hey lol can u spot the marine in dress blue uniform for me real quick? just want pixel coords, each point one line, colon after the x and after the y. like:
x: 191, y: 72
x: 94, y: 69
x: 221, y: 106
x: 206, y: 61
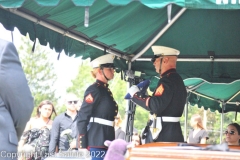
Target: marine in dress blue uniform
x: 168, y: 99
x: 99, y: 109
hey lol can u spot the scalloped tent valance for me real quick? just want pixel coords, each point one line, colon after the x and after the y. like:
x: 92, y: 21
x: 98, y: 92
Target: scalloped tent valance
x: 205, y: 31
x: 200, y: 4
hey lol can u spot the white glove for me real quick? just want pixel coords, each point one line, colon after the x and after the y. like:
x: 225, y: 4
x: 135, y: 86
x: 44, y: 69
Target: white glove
x: 133, y: 89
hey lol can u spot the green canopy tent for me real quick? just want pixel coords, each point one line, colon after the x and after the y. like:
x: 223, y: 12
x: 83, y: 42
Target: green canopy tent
x: 213, y: 94
x: 220, y: 97
x: 205, y: 31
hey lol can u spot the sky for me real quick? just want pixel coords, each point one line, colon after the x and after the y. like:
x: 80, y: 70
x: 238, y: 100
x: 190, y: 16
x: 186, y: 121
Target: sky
x: 66, y: 68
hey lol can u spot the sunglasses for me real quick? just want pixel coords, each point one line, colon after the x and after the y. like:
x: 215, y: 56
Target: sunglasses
x: 230, y: 132
x: 117, y: 118
x: 107, y: 65
x: 112, y: 69
x: 154, y: 58
x: 72, y: 102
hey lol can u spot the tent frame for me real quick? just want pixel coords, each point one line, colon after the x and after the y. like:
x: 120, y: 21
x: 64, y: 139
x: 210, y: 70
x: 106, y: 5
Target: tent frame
x: 159, y: 34
x: 92, y: 42
x: 67, y: 33
x: 109, y: 49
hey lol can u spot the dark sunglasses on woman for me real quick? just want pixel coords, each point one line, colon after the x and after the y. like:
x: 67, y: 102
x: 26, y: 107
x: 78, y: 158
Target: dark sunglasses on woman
x: 230, y: 132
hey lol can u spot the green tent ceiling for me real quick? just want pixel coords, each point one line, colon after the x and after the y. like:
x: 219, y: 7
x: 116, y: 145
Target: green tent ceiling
x: 212, y: 95
x: 205, y: 31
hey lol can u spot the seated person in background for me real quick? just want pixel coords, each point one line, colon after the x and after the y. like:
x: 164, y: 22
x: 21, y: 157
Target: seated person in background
x: 119, y: 133
x: 136, y: 140
x: 198, y: 134
x: 233, y: 134
x: 35, y: 125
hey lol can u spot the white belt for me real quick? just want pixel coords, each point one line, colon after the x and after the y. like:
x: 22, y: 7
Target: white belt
x: 156, y: 131
x: 102, y: 121
x: 170, y: 119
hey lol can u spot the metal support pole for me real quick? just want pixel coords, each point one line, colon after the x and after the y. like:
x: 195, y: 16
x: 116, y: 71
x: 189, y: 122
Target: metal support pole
x: 227, y: 59
x: 131, y: 107
x: 130, y: 112
x: 130, y: 121
x: 186, y: 118
x: 159, y: 34
x: 222, y: 121
x: 126, y: 117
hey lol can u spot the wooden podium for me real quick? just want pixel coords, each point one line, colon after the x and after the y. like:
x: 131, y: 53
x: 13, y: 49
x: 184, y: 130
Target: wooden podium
x: 171, y: 151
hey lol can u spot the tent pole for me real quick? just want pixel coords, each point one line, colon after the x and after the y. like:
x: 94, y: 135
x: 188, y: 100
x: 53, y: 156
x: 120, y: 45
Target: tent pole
x: 127, y: 138
x: 195, y: 87
x: 158, y: 35
x: 129, y: 118
x: 186, y: 117
x: 130, y: 108
x: 237, y: 59
x: 222, y: 121
x: 233, y: 96
x: 65, y: 32
x: 204, y: 96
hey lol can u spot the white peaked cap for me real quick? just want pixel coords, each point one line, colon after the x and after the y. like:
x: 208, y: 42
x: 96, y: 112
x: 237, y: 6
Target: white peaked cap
x: 165, y: 51
x: 108, y: 58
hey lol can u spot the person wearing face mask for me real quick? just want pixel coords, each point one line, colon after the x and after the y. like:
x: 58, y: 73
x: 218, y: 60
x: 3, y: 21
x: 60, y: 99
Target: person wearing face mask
x: 99, y: 109
x: 232, y: 134
x: 168, y: 100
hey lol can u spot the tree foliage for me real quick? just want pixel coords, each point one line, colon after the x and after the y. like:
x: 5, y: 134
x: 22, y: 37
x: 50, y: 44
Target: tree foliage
x: 82, y: 80
x: 39, y: 71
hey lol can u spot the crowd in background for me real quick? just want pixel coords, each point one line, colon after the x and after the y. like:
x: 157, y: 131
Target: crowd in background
x: 89, y: 123
x: 61, y: 140
x: 62, y: 128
